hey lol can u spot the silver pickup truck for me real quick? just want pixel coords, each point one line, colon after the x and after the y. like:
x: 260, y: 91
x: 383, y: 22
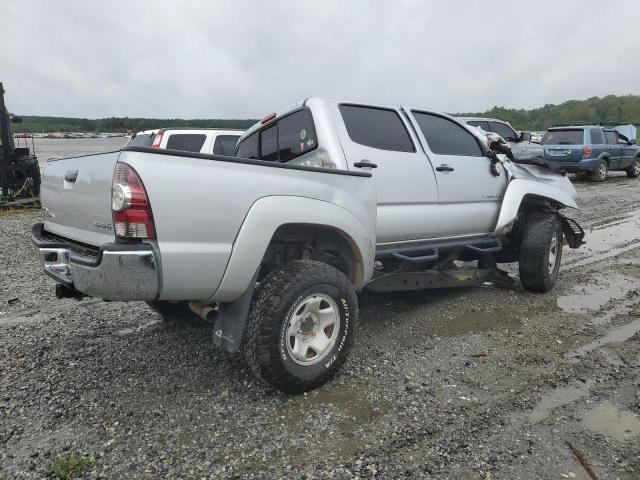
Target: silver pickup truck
x: 323, y: 199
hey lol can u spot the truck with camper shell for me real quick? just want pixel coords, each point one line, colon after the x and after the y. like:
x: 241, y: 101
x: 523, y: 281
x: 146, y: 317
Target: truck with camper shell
x: 322, y: 200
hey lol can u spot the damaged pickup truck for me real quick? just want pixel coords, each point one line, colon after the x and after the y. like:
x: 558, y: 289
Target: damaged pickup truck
x: 323, y: 199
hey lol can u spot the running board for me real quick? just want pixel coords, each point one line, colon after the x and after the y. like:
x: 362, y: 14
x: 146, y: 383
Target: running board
x: 429, y: 279
x: 424, y: 251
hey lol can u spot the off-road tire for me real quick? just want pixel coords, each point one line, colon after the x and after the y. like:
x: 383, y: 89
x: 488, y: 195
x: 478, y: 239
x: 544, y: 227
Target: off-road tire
x: 176, y: 312
x: 634, y: 170
x: 601, y: 171
x: 535, y: 247
x: 264, y: 346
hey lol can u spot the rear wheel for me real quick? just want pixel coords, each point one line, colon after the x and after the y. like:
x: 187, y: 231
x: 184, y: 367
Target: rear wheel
x: 600, y: 173
x: 301, y: 326
x: 540, y: 252
x: 634, y: 170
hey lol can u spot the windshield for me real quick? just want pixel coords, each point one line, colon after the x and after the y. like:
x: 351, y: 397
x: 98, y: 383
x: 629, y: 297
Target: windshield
x: 142, y: 140
x: 563, y: 137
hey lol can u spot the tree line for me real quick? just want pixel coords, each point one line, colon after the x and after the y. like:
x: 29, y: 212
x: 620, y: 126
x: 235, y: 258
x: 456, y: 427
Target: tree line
x: 31, y: 123
x: 609, y: 110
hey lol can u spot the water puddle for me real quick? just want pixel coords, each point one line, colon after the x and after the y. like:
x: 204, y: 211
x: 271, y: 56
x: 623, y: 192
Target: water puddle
x: 609, y: 420
x: 469, y: 322
x: 594, y: 296
x: 348, y: 410
x: 557, y: 398
x: 608, y: 240
x: 616, y: 335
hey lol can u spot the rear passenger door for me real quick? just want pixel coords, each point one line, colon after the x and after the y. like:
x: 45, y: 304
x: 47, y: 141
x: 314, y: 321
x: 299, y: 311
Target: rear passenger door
x: 470, y: 196
x: 613, y: 147
x: 405, y: 181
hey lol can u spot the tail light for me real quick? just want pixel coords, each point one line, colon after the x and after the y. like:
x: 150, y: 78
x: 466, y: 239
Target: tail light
x: 586, y: 152
x: 130, y: 208
x: 157, y: 140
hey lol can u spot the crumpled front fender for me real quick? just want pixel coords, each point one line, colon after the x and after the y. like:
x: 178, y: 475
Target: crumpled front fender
x: 520, y: 188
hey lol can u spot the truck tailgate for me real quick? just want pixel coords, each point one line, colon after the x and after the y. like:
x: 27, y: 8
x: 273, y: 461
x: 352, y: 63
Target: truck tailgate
x: 76, y: 197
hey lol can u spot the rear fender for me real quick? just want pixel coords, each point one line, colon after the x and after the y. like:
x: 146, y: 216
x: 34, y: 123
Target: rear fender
x: 267, y: 215
x: 516, y: 192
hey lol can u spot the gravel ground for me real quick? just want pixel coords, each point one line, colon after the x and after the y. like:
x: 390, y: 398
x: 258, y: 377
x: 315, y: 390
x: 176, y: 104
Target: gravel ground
x: 471, y: 383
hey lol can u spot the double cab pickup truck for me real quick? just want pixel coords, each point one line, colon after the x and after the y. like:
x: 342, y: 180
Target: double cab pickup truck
x: 591, y: 150
x: 322, y: 200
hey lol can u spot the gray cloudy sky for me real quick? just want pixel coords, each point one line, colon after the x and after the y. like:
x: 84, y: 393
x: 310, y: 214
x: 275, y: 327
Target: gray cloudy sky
x: 237, y: 59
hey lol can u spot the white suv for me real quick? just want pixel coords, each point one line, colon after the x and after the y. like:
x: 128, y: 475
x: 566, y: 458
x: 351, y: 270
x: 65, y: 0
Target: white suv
x: 198, y: 140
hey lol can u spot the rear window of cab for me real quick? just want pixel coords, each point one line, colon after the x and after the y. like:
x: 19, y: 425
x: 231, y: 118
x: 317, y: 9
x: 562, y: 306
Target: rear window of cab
x: 281, y: 140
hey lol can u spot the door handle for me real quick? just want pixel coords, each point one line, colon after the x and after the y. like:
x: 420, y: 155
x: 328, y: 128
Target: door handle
x: 445, y: 168
x: 71, y: 176
x: 365, y: 164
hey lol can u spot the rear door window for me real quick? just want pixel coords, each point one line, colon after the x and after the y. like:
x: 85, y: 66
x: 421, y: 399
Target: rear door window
x: 563, y: 137
x: 225, y: 145
x: 377, y: 128
x: 612, y: 138
x: 190, y: 142
x: 597, y: 138
x: 505, y: 131
x: 445, y: 137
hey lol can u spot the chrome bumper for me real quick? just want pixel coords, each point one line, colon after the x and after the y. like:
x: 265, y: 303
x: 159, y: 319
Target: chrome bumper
x: 116, y: 272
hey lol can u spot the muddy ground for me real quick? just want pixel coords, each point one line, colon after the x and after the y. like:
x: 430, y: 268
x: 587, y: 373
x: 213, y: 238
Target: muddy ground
x: 485, y: 383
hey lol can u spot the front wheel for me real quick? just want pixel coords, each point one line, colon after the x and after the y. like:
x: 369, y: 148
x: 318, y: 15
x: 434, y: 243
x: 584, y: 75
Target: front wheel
x: 634, y: 170
x: 301, y: 326
x: 600, y: 173
x: 540, y: 252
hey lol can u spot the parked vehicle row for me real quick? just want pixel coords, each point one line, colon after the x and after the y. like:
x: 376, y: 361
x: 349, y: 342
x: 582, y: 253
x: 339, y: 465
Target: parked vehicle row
x: 322, y: 199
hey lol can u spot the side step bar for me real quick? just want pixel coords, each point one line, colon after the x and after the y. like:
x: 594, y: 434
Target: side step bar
x: 425, y: 252
x: 428, y: 279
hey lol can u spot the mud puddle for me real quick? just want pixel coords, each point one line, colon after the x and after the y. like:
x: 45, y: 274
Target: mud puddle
x: 616, y: 335
x: 596, y: 295
x: 349, y: 410
x: 470, y: 322
x: 607, y: 240
x: 556, y: 398
x: 609, y: 420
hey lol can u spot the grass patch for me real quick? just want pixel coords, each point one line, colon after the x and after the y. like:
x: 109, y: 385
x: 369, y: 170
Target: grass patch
x: 70, y: 466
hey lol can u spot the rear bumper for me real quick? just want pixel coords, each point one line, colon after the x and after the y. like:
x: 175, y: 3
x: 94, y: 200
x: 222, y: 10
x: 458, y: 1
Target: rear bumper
x: 114, y: 272
x: 586, y: 165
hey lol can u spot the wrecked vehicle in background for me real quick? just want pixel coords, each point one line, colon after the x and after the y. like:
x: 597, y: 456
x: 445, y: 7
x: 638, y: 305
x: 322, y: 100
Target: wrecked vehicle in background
x: 323, y: 199
x: 520, y: 143
x: 19, y: 171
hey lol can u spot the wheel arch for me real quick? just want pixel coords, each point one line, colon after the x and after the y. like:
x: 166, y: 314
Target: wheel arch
x: 523, y: 193
x: 299, y: 219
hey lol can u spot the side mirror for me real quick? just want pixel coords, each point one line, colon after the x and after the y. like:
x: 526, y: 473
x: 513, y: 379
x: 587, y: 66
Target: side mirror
x: 525, y: 137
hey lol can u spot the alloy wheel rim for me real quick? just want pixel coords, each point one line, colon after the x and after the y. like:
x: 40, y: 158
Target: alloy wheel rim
x: 636, y: 167
x: 312, y: 329
x: 603, y: 170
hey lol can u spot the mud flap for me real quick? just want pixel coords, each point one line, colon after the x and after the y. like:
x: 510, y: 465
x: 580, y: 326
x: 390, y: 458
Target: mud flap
x: 231, y: 319
x: 572, y: 231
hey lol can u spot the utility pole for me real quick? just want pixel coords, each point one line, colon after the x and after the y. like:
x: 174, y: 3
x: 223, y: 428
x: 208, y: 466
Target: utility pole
x: 5, y: 129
